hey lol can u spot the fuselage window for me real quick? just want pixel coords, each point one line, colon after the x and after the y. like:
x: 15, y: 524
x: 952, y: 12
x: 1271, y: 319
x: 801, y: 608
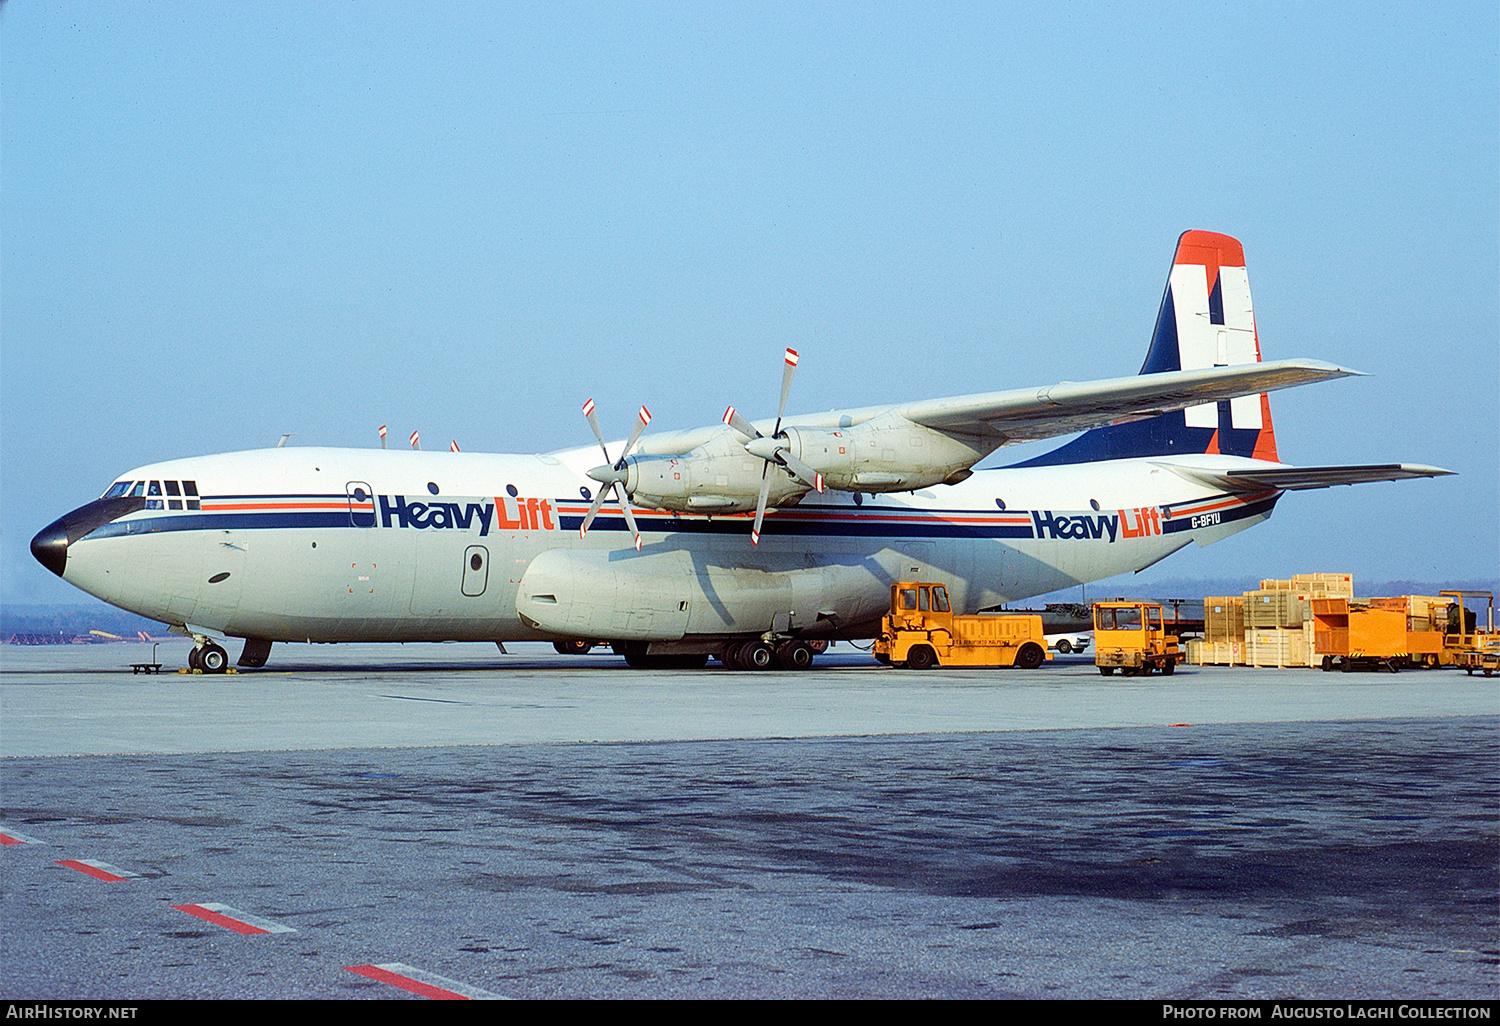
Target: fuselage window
x: 117, y: 489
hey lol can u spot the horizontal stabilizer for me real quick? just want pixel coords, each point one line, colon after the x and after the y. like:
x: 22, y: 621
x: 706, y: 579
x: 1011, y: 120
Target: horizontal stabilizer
x: 1291, y: 479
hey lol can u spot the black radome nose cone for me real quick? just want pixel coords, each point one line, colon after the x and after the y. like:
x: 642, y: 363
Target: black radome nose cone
x: 50, y: 547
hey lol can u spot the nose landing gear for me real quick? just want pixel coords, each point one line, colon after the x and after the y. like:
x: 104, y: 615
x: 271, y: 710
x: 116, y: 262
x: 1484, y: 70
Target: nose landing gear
x: 206, y: 657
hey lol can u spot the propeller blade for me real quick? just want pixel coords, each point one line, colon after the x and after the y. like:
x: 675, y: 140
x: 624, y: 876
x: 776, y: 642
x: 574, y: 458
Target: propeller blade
x: 760, y: 504
x: 786, y: 386
x: 630, y: 519
x: 736, y: 420
x: 588, y: 411
x: 594, y: 506
x: 642, y: 420
x: 807, y: 475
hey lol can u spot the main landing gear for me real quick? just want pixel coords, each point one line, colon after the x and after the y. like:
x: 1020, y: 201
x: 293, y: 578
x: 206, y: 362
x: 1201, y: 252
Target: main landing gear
x: 759, y: 654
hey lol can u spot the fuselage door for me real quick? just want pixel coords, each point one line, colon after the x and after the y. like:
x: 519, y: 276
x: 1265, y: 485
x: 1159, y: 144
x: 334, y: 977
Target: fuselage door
x: 476, y: 570
x: 361, y: 504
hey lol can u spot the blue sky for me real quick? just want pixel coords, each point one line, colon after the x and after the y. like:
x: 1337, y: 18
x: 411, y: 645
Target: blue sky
x: 223, y: 222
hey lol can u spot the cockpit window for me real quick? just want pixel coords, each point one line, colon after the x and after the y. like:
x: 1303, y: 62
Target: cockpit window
x: 190, y: 488
x: 155, y: 488
x: 138, y: 490
x: 117, y: 489
x: 172, y: 488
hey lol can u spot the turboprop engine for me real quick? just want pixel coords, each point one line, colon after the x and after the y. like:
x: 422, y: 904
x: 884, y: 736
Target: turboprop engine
x: 741, y: 469
x: 717, y: 477
x: 886, y: 454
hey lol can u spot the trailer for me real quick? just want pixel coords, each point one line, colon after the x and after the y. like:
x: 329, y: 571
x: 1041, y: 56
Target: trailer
x: 1373, y: 634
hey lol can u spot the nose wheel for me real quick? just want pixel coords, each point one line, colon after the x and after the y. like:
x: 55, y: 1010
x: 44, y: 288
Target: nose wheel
x: 208, y: 658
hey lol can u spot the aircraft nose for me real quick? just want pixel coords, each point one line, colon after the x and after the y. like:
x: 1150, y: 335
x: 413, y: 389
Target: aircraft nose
x: 50, y: 547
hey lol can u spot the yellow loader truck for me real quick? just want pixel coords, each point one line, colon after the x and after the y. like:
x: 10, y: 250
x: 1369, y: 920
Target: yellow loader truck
x: 921, y: 631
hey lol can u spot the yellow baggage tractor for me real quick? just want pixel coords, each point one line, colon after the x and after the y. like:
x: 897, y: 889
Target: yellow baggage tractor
x: 921, y: 631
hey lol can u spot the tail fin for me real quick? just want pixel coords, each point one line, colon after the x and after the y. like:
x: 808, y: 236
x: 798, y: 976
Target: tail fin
x: 1206, y: 320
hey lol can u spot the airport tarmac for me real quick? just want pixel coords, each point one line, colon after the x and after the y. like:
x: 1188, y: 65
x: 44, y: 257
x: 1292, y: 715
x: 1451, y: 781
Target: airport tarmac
x: 370, y: 821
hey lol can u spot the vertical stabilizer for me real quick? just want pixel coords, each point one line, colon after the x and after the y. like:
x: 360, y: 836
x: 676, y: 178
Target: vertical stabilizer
x: 1206, y: 320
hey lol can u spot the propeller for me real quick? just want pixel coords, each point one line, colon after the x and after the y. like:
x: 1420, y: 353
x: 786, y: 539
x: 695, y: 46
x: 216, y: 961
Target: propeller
x: 773, y: 449
x: 614, y: 472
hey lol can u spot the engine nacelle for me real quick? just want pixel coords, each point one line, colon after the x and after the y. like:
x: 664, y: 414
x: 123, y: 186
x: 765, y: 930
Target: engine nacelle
x: 887, y: 454
x: 717, y: 477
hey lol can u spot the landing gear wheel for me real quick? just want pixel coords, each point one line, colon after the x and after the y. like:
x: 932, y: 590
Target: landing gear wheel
x: 572, y: 646
x: 921, y: 658
x: 1031, y: 656
x: 757, y: 655
x: 195, y: 658
x: 213, y: 659
x: 794, y: 655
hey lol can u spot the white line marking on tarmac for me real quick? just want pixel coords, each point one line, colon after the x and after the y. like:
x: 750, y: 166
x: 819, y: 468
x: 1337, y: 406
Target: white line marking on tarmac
x: 98, y: 870
x: 421, y: 982
x: 233, y: 918
x: 9, y: 837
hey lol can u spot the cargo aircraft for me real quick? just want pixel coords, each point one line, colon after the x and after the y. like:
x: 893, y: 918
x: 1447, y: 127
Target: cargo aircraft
x: 746, y: 541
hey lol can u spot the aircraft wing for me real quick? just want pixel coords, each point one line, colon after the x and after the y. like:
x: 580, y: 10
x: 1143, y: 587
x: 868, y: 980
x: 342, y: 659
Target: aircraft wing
x: 1024, y: 415
x: 1028, y: 414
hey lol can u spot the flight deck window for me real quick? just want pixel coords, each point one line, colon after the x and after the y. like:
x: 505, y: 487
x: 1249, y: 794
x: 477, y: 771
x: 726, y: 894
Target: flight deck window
x: 117, y: 489
x: 154, y: 490
x: 190, y: 489
x: 173, y: 489
x: 138, y: 490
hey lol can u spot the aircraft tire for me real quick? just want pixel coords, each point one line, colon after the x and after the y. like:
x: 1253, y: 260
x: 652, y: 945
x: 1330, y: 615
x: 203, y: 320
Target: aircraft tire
x: 757, y: 655
x: 213, y: 659
x: 794, y: 655
x: 195, y: 658
x: 572, y: 646
x: 1031, y: 656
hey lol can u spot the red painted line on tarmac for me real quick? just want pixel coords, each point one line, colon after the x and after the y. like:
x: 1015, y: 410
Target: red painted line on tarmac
x: 406, y: 983
x: 88, y: 869
x: 219, y: 920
